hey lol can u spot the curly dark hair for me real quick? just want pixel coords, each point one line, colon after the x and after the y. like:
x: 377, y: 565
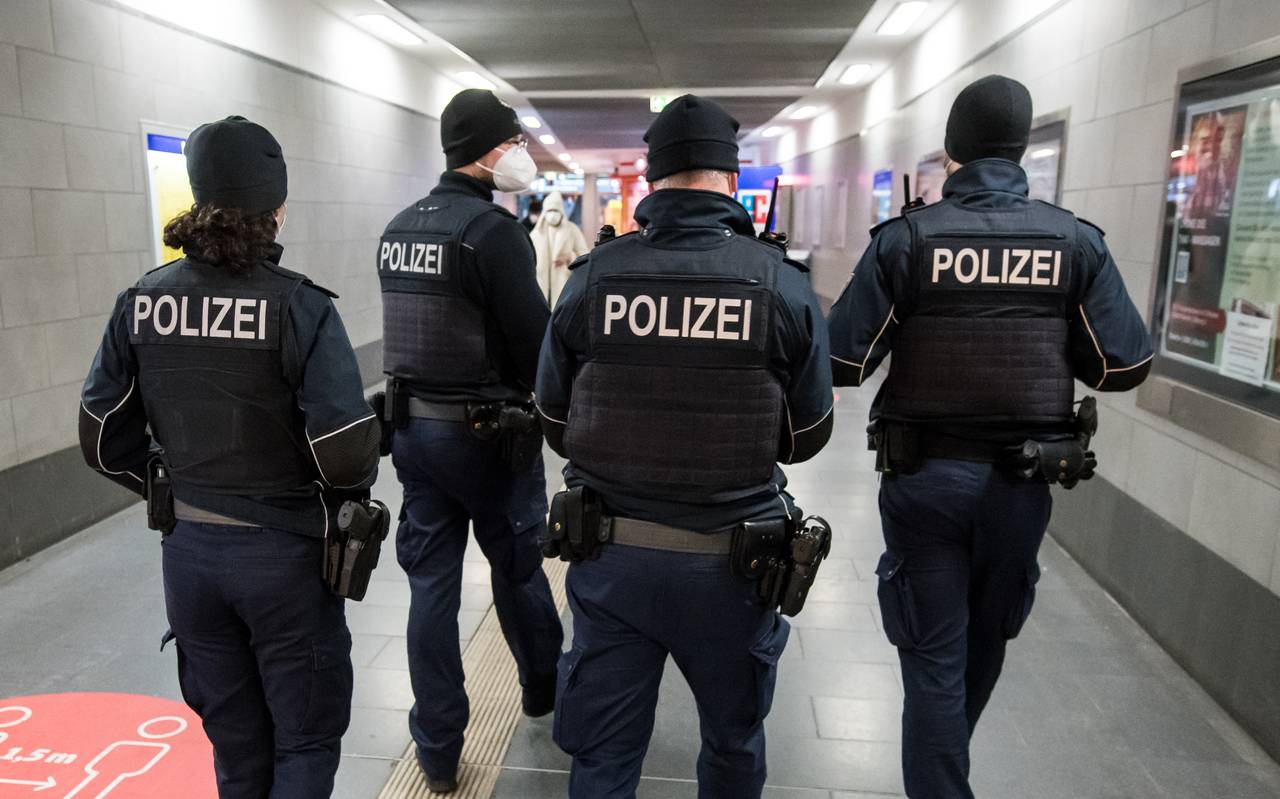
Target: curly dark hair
x: 224, y: 237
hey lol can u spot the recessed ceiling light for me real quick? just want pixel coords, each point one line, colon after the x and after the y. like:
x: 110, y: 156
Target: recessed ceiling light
x: 475, y: 80
x: 577, y: 170
x: 574, y: 165
x: 804, y: 112
x: 1043, y: 153
x: 547, y: 138
x: 854, y: 73
x: 772, y: 131
x: 565, y: 157
x: 903, y: 16
x: 642, y: 164
x: 531, y: 122
x: 1177, y: 153
x: 387, y: 28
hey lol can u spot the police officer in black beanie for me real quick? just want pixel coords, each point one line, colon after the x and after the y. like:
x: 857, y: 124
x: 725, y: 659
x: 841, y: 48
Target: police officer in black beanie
x: 234, y: 378
x: 993, y: 305
x: 463, y: 317
x: 682, y: 364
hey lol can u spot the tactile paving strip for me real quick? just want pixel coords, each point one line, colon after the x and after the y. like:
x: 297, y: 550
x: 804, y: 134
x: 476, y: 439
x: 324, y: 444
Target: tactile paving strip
x: 494, y: 691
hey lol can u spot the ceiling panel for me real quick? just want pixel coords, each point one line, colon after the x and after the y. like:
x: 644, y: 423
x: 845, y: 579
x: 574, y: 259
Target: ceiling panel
x: 620, y: 122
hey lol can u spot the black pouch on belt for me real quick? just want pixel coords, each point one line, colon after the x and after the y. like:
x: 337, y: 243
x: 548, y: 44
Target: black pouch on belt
x: 520, y: 435
x: 160, y: 514
x: 351, y: 555
x: 574, y: 526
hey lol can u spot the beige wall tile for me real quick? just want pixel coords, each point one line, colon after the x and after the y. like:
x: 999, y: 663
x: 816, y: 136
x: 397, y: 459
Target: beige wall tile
x: 1240, y: 23
x: 1123, y: 75
x: 128, y: 223
x: 10, y: 86
x: 17, y: 226
x: 27, y: 23
x: 101, y: 276
x: 32, y: 154
x: 24, y: 360
x: 1162, y: 474
x: 8, y: 441
x: 34, y: 290
x: 1140, y: 156
x: 1183, y: 41
x: 72, y: 345
x: 99, y: 159
x: 69, y: 222
x: 87, y: 31
x: 56, y: 89
x: 122, y: 100
x: 1236, y: 516
x: 45, y: 421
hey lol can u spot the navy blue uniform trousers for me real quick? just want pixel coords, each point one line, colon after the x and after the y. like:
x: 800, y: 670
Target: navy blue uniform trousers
x: 450, y: 479
x: 632, y: 608
x: 956, y: 583
x: 264, y: 656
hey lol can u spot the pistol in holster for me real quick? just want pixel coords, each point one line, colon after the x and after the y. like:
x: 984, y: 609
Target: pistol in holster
x: 514, y: 425
x: 1066, y: 461
x: 781, y: 556
x: 577, y: 527
x: 351, y: 553
x: 159, y: 496
x: 897, y: 447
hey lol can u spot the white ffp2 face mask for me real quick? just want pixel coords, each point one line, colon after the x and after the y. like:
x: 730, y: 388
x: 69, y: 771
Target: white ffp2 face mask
x: 514, y: 170
x: 554, y: 218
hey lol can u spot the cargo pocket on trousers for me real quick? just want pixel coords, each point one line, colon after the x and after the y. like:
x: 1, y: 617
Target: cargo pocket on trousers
x: 329, y: 700
x: 766, y: 652
x: 187, y: 684
x: 567, y: 727
x: 1021, y: 609
x: 897, y: 606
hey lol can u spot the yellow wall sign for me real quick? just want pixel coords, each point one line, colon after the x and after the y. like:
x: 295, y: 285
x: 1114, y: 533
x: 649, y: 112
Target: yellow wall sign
x: 170, y: 189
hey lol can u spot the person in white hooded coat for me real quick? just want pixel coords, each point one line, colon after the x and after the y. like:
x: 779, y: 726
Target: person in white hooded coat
x: 557, y: 242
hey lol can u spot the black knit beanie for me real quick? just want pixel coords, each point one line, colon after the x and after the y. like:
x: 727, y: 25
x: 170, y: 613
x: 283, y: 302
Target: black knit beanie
x: 991, y: 118
x: 235, y: 163
x: 473, y: 123
x: 691, y: 133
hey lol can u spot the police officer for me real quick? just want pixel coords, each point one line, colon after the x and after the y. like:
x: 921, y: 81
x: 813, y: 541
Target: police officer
x: 992, y: 305
x: 241, y: 373
x: 682, y: 362
x: 463, y: 319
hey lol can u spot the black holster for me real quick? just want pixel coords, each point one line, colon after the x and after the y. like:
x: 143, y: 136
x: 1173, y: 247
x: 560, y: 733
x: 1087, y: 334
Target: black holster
x: 392, y: 408
x: 574, y: 528
x: 515, y: 426
x: 897, y: 447
x: 351, y: 554
x: 1066, y: 461
x: 781, y: 556
x: 159, y: 496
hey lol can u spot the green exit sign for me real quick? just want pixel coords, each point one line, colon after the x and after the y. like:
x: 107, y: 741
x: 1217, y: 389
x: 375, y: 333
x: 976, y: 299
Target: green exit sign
x: 658, y: 102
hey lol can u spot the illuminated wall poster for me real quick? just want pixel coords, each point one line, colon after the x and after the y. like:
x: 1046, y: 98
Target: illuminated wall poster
x: 167, y: 187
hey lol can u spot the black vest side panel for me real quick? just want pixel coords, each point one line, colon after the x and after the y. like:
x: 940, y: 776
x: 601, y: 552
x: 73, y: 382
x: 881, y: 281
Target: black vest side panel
x: 212, y: 378
x: 676, y: 395
x: 433, y: 333
x: 984, y: 338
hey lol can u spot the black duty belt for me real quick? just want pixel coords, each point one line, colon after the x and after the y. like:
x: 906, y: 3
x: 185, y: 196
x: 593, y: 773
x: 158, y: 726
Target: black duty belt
x: 933, y: 445
x: 651, y: 535
x: 440, y: 411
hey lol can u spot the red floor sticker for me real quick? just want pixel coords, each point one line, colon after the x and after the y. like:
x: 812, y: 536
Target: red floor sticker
x: 103, y: 746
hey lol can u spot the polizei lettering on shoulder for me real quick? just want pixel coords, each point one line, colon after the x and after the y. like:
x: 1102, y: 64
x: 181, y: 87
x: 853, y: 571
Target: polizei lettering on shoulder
x: 202, y: 317
x: 681, y: 317
x: 976, y: 267
x: 406, y: 258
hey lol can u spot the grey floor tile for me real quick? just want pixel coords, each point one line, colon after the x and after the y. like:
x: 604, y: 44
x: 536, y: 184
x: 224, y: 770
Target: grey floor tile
x: 395, y: 655
x: 522, y: 784
x: 836, y: 616
x: 365, y: 648
x: 858, y: 719
x: 841, y: 645
x: 361, y: 777
x: 382, y: 688
x: 376, y: 732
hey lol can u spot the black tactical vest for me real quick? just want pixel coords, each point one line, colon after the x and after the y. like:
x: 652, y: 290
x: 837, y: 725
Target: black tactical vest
x: 676, y: 396
x: 433, y: 333
x: 983, y: 336
x: 211, y: 349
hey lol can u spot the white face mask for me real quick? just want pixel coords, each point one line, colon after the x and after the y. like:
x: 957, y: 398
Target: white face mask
x: 554, y: 218
x: 514, y: 170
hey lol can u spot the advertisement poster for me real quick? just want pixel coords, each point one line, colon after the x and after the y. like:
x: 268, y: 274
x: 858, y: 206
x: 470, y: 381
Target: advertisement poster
x: 882, y: 196
x: 170, y: 189
x: 1224, y: 271
x: 930, y: 175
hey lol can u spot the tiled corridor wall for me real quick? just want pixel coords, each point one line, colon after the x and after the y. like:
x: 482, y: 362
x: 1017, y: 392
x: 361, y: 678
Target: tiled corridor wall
x: 76, y: 79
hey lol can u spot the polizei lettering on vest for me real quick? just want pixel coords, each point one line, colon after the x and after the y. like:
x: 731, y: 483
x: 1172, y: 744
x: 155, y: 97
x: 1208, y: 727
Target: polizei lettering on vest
x: 1003, y: 266
x: 716, y: 318
x: 411, y: 257
x: 242, y: 318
